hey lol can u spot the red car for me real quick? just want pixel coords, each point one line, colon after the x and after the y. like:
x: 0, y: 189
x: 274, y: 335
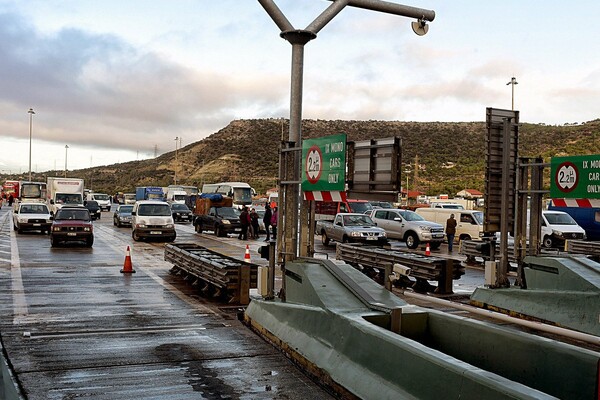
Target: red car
x: 72, y: 224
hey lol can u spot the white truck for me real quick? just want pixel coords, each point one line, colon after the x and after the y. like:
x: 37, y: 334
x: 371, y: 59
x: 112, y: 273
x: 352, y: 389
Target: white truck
x: 61, y: 191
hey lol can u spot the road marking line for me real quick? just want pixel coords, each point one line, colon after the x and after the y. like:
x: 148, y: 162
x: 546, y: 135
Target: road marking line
x: 18, y: 291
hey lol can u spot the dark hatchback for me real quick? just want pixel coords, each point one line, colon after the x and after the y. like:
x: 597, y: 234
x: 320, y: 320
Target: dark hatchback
x: 181, y: 212
x: 72, y: 224
x: 94, y: 209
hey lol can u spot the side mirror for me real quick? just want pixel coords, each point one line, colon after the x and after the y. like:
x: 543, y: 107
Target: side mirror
x: 133, y: 213
x: 51, y: 201
x: 51, y: 218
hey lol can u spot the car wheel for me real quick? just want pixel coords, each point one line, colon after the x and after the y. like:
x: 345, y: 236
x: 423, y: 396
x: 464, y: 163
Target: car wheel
x: 135, y: 235
x: 218, y: 231
x: 19, y: 230
x: 345, y: 239
x: 548, y: 242
x: 324, y: 239
x: 412, y: 241
x: 53, y: 242
x: 89, y: 242
x: 198, y: 228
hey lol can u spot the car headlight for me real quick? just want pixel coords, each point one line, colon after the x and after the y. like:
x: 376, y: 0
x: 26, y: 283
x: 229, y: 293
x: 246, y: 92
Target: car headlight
x: 226, y: 221
x: 557, y: 233
x: 56, y: 228
x: 140, y: 225
x: 356, y: 234
x: 87, y: 229
x: 383, y: 234
x: 22, y: 220
x: 169, y: 226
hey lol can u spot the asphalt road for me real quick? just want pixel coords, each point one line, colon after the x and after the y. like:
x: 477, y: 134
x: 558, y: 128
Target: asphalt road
x: 73, y: 326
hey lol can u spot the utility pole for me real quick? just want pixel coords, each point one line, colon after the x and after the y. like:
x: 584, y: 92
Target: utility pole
x: 175, y: 169
x: 513, y: 82
x: 30, y: 112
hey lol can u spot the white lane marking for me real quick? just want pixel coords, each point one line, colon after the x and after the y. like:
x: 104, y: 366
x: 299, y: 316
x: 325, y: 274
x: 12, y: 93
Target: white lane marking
x: 18, y: 291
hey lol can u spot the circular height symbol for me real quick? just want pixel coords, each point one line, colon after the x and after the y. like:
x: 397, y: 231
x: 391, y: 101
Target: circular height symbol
x: 566, y: 177
x: 314, y: 164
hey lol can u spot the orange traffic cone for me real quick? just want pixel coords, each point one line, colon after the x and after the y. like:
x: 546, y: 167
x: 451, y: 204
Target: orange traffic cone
x: 127, y: 267
x: 247, y: 255
x: 427, y: 250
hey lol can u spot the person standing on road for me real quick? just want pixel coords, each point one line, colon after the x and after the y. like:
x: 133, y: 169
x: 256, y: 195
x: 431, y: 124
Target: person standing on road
x: 244, y: 220
x: 267, y: 221
x: 254, y: 223
x: 450, y: 231
x: 274, y: 222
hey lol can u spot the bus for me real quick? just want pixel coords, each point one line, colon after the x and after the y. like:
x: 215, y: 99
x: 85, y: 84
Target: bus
x: 240, y: 192
x: 10, y: 188
x: 32, y: 191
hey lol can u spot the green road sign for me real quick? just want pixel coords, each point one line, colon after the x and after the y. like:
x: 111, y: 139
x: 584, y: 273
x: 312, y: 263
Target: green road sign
x: 576, y: 177
x: 324, y: 163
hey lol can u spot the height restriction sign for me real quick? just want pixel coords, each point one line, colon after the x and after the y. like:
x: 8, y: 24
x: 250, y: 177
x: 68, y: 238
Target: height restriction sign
x: 576, y: 177
x: 324, y: 164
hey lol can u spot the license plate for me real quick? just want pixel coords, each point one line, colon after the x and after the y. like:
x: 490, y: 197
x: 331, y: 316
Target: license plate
x: 37, y: 224
x: 371, y: 238
x: 71, y: 234
x: 155, y: 232
x: 438, y: 236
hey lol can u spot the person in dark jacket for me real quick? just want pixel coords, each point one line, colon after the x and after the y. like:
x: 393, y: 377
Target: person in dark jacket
x: 450, y: 231
x: 245, y: 221
x: 267, y: 221
x: 254, y: 223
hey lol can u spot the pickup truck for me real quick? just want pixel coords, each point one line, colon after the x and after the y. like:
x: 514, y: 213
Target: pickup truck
x: 409, y: 227
x: 351, y: 227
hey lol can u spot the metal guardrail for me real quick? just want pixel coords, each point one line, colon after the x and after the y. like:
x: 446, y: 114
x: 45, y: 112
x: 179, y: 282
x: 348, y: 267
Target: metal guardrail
x: 583, y: 247
x: 220, y: 276
x: 468, y: 248
x: 422, y: 268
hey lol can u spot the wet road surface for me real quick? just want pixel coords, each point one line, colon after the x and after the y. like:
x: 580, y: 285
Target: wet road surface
x: 73, y: 326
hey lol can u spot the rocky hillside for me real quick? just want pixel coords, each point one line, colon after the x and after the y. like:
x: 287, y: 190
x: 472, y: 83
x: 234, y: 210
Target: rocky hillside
x: 450, y: 156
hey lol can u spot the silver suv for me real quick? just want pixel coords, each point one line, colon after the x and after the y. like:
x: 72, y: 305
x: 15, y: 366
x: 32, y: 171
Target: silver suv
x: 409, y: 227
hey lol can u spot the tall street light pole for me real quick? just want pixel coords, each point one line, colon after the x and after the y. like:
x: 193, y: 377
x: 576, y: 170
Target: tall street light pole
x: 513, y: 82
x: 30, y: 112
x: 175, y: 169
x: 66, y: 148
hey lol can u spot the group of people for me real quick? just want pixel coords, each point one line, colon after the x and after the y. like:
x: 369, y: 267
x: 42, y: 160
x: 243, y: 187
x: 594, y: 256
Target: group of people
x: 250, y: 224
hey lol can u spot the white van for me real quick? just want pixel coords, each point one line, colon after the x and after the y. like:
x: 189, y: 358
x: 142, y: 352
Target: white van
x: 152, y: 219
x: 469, y: 223
x: 102, y: 198
x: 557, y: 227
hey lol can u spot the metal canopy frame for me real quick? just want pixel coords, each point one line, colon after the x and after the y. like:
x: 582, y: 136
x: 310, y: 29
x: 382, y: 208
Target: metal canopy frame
x: 292, y: 219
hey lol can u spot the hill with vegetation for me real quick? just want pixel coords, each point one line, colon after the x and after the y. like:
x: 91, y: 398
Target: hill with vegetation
x: 442, y: 157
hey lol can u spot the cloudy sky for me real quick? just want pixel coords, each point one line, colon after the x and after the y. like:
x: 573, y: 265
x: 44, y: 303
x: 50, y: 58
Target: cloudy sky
x: 117, y: 80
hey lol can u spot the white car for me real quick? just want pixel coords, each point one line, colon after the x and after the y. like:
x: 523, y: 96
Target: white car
x: 558, y: 226
x: 32, y: 217
x: 102, y: 198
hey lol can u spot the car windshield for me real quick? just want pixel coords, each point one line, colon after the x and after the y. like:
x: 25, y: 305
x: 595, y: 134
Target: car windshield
x: 478, y: 216
x: 91, y: 204
x: 359, y: 207
x: 79, y: 215
x: 358, y: 220
x: 227, y: 212
x: 559, y: 219
x: 63, y: 198
x: 125, y: 209
x: 34, y: 209
x: 100, y: 196
x: 179, y: 207
x: 156, y: 210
